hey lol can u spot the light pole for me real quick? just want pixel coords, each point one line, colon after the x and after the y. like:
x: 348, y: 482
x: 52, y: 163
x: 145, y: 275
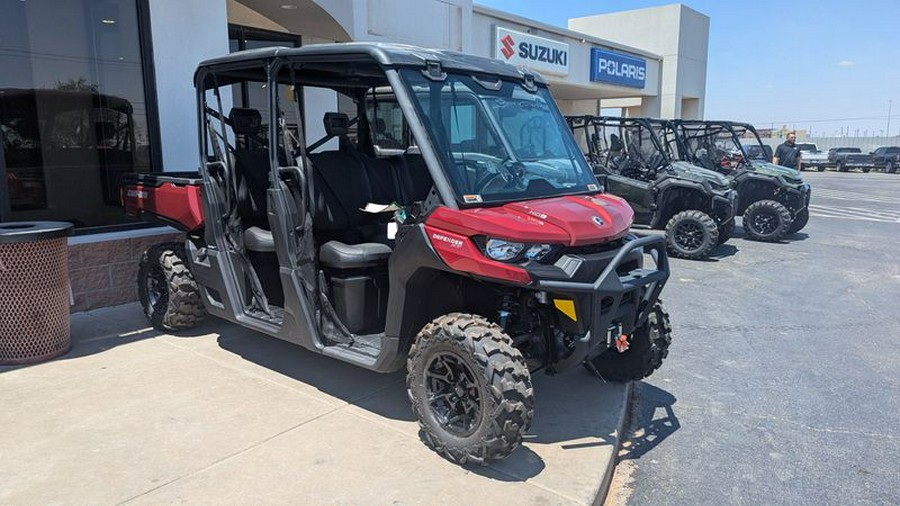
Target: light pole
x: 890, y: 103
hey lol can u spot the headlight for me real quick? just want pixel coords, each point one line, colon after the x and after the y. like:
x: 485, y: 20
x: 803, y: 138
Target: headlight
x: 501, y: 250
x: 510, y: 251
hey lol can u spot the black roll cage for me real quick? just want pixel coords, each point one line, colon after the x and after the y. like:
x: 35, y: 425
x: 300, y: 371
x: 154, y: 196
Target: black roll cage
x: 695, y: 129
x: 589, y: 122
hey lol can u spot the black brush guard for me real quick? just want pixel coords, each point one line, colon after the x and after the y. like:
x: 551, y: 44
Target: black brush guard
x: 617, y: 300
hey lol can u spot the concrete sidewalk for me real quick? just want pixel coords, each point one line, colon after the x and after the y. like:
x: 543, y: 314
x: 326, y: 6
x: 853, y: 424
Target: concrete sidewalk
x: 225, y: 415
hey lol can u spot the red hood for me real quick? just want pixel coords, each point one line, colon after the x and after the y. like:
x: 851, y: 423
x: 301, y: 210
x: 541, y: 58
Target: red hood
x: 573, y: 220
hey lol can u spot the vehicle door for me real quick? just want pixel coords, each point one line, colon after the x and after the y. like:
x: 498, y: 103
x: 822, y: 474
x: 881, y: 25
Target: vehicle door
x: 637, y: 193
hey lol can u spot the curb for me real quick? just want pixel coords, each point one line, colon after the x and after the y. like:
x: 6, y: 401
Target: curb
x: 608, y: 473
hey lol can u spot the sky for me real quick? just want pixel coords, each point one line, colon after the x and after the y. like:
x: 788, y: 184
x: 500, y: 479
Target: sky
x: 823, y: 65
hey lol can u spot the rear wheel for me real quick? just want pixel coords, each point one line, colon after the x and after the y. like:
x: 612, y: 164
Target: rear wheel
x: 866, y: 170
x: 821, y: 168
x: 766, y: 220
x: 648, y: 346
x: 167, y: 290
x: 691, y: 234
x: 469, y: 388
x: 890, y: 168
x: 840, y: 166
x: 800, y: 221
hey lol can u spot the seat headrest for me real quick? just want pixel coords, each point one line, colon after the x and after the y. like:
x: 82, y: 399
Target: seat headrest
x: 380, y: 126
x: 245, y: 121
x: 337, y: 124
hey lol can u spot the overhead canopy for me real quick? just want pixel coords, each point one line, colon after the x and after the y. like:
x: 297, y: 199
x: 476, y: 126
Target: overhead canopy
x: 349, y: 61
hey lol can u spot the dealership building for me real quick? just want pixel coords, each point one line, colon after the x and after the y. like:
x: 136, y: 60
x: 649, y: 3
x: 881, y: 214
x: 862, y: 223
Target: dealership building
x: 94, y: 89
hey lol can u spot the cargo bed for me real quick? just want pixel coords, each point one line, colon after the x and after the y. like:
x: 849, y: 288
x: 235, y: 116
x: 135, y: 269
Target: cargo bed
x: 167, y: 198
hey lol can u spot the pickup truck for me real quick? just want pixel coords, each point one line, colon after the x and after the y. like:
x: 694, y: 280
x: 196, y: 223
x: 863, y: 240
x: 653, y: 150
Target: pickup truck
x: 811, y: 156
x: 845, y: 159
x: 887, y: 158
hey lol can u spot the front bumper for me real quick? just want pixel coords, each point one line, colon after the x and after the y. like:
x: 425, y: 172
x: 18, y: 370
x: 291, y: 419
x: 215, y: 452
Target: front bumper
x: 797, y: 198
x: 620, y: 298
x: 724, y: 206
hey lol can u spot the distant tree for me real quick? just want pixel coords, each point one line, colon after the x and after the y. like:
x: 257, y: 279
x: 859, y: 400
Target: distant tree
x: 80, y: 84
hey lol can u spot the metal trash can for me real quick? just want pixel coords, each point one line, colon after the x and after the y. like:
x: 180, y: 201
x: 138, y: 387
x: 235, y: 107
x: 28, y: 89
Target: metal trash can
x: 34, y: 291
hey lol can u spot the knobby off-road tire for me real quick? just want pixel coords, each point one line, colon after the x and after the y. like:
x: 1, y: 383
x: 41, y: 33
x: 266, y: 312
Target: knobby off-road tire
x: 691, y: 235
x: 489, y: 384
x: 167, y: 290
x: 800, y: 221
x: 767, y: 221
x: 726, y: 231
x: 648, y: 347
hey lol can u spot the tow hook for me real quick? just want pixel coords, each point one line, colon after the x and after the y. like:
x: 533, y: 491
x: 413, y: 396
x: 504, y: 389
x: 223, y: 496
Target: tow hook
x: 615, y: 337
x: 622, y: 343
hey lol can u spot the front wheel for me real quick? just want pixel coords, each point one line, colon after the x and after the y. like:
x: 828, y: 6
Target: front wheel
x: 840, y: 167
x: 890, y: 168
x: 167, y: 290
x: 866, y: 170
x: 821, y: 168
x: 648, y: 346
x: 766, y: 220
x: 470, y: 389
x: 691, y: 235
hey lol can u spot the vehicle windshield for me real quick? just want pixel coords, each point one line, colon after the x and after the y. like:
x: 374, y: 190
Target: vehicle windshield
x: 498, y: 141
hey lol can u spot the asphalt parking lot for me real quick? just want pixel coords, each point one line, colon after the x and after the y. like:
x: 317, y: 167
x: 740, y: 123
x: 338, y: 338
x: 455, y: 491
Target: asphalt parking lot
x: 783, y: 381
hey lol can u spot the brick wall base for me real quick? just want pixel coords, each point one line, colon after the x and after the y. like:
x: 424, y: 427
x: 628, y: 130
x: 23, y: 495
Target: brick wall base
x: 105, y: 273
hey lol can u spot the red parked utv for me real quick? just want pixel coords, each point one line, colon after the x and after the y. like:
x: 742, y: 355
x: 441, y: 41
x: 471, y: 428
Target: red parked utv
x: 455, y: 229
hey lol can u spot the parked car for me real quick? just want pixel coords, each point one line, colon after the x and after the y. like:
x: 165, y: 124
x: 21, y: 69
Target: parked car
x: 761, y: 152
x: 811, y: 156
x: 887, y: 158
x: 845, y: 159
x: 833, y: 153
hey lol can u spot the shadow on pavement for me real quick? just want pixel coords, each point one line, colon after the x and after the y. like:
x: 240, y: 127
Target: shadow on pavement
x: 723, y: 251
x: 347, y: 382
x: 653, y: 419
x: 789, y: 238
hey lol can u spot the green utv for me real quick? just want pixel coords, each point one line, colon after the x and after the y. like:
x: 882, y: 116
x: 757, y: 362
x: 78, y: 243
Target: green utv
x: 693, y: 205
x: 774, y: 200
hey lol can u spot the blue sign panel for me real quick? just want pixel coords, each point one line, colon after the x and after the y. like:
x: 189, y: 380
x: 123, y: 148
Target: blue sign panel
x: 617, y: 68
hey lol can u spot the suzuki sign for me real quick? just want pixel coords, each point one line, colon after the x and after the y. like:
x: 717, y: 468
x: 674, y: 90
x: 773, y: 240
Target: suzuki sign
x: 538, y: 53
x: 617, y: 68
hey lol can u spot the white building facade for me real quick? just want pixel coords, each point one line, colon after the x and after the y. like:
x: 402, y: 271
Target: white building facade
x: 91, y: 90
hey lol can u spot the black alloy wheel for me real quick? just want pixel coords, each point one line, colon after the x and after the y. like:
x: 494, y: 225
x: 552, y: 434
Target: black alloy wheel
x: 453, y: 394
x: 766, y: 220
x: 689, y: 235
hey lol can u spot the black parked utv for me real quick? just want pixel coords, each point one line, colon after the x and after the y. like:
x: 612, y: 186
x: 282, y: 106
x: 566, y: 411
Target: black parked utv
x: 455, y: 230
x: 773, y: 200
x: 694, y: 206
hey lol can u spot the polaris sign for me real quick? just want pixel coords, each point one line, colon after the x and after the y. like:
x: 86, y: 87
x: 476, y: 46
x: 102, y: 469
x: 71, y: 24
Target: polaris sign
x: 617, y: 68
x: 538, y: 53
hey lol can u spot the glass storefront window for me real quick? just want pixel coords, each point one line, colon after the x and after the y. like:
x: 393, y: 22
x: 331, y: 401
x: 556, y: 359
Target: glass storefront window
x: 73, y: 111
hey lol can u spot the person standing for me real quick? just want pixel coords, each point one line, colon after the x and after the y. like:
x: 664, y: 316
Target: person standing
x: 788, y: 154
